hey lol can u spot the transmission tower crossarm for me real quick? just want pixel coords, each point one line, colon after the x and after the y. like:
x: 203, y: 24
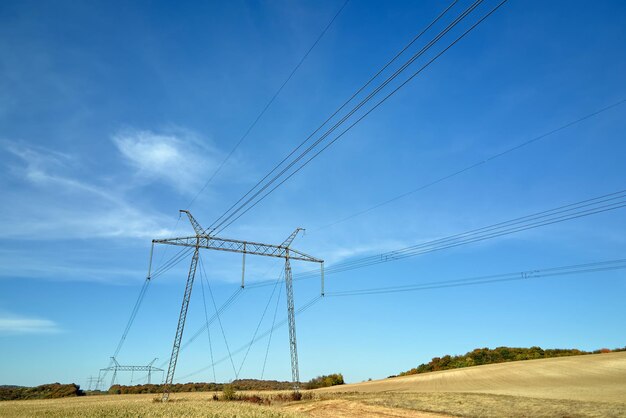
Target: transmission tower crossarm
x: 195, y: 224
x: 238, y: 246
x: 132, y: 369
x: 291, y: 237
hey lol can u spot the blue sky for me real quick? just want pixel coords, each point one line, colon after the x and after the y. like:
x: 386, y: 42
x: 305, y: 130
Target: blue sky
x: 113, y: 116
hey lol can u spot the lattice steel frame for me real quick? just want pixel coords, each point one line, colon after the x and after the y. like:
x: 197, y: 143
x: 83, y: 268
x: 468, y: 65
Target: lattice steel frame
x: 203, y: 239
x: 117, y: 367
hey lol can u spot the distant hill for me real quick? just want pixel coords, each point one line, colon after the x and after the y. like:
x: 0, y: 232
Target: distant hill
x: 480, y: 356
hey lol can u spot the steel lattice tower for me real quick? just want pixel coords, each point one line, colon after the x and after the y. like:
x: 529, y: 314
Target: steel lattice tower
x: 117, y: 367
x: 204, y: 239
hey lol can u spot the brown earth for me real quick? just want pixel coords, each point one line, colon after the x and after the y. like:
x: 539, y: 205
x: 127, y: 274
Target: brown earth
x: 343, y: 408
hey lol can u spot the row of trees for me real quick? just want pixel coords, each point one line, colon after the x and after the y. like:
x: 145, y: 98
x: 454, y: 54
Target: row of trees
x: 325, y: 381
x: 240, y: 384
x: 49, y: 391
x: 237, y: 385
x: 497, y: 355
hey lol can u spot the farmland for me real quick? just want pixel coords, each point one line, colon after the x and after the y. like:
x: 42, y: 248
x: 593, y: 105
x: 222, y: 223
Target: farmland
x: 578, y: 386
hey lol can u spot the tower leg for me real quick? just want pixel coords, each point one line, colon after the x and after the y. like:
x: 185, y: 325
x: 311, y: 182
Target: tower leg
x: 181, y: 325
x: 293, y: 347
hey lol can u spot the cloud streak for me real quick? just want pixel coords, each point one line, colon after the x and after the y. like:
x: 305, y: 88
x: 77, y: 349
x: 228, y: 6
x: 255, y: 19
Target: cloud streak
x: 11, y: 324
x: 54, y: 204
x: 178, y: 160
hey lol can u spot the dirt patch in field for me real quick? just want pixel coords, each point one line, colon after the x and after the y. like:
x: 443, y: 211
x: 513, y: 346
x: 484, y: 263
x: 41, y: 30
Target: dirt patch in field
x: 341, y: 408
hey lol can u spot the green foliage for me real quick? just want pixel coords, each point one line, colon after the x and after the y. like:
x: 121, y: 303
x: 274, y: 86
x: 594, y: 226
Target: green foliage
x: 240, y: 384
x: 229, y: 393
x: 481, y: 356
x: 325, y: 381
x: 48, y: 391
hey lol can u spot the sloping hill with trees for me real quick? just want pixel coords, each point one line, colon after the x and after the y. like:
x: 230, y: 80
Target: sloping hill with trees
x: 481, y: 356
x: 589, y: 377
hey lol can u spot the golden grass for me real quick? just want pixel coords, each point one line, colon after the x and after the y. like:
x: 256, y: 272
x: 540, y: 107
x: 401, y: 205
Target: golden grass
x: 487, y: 405
x: 581, y: 386
x: 198, y: 404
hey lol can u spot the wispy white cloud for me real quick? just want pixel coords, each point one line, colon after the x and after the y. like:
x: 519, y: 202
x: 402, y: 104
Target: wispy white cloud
x: 180, y: 160
x: 12, y: 324
x: 46, y: 264
x: 54, y: 203
x: 337, y: 253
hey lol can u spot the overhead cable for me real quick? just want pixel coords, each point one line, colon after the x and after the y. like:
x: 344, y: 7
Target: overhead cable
x: 601, y: 266
x: 232, y: 214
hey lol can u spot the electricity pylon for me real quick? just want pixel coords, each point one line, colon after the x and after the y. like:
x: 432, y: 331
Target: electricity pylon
x: 117, y: 367
x: 204, y: 239
x: 90, y: 382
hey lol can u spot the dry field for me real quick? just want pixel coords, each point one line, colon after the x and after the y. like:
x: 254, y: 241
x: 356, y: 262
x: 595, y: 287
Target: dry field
x: 199, y: 404
x: 581, y: 386
x: 594, y: 377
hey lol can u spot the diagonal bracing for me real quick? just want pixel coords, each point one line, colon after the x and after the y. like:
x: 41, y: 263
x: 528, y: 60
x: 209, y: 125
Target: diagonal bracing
x: 204, y: 240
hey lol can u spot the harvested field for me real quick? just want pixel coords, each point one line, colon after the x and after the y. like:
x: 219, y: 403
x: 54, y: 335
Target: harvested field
x: 199, y: 404
x: 580, y: 386
x: 595, y: 378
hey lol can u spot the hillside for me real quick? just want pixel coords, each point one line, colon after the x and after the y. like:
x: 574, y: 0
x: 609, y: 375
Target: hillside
x: 592, y: 377
x: 480, y: 356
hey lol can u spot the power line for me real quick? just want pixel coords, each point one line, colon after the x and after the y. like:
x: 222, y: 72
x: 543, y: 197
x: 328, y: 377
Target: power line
x: 472, y: 166
x: 212, y: 319
x: 562, y: 213
x: 269, y: 340
x: 138, y: 302
x: 282, y: 323
x: 450, y: 26
x: 269, y: 103
x: 259, y: 324
x: 587, y: 207
x: 172, y: 262
x: 528, y: 274
x: 202, y: 272
x: 133, y: 315
x: 350, y: 126
x: 482, y: 234
x: 208, y: 329
x: 468, y: 168
x: 234, y: 209
x: 233, y: 297
x: 260, y: 115
x: 600, y: 266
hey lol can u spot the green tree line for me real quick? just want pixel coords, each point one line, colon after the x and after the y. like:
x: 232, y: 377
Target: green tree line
x: 48, y: 391
x: 481, y: 356
x: 324, y: 381
x: 237, y: 385
x: 240, y: 384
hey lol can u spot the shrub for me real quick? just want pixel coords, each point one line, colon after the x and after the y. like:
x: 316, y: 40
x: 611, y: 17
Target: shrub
x: 325, y: 381
x: 228, y: 393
